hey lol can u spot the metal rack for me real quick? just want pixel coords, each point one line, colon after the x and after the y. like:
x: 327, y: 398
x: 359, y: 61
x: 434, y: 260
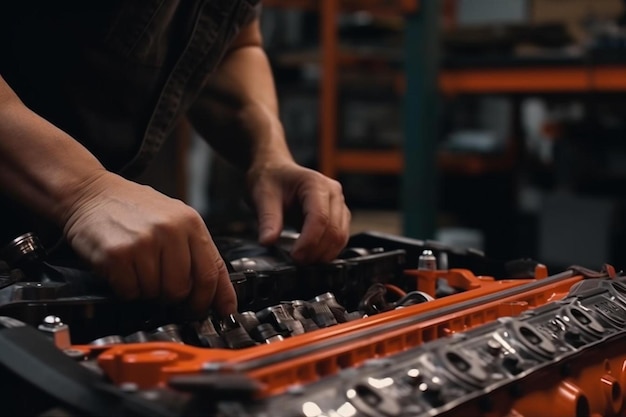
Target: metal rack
x: 422, y: 84
x: 418, y: 155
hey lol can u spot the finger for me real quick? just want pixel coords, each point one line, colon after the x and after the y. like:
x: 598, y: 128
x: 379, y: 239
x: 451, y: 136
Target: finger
x: 146, y: 265
x: 337, y: 233
x: 146, y: 269
x: 316, y: 208
x: 123, y: 280
x: 346, y: 224
x: 269, y: 205
x: 175, y: 273
x: 225, y: 299
x: 204, y: 272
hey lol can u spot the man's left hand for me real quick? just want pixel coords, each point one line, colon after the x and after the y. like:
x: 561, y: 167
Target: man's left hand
x: 326, y: 227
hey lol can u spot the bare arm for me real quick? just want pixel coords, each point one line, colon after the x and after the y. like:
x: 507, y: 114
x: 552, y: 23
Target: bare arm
x: 239, y: 103
x: 238, y: 114
x: 63, y: 166
x: 145, y: 243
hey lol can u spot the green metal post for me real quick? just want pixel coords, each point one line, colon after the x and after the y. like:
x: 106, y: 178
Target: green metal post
x: 419, y: 189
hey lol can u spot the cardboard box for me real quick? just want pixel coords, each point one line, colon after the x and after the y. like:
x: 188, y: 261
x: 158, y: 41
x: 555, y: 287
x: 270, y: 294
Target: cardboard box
x: 491, y: 12
x: 574, y: 13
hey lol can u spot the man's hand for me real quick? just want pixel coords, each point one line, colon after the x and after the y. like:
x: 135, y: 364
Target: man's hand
x: 148, y: 245
x: 326, y: 226
x: 237, y: 113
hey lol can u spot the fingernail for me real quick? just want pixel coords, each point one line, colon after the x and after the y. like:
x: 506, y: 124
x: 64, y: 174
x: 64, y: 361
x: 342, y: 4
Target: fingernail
x: 265, y: 235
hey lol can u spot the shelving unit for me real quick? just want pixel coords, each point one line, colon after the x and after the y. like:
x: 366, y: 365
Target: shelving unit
x: 537, y: 80
x: 332, y: 160
x: 417, y: 154
x: 422, y: 83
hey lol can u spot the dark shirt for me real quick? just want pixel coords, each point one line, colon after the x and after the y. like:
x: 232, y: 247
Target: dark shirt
x: 116, y: 75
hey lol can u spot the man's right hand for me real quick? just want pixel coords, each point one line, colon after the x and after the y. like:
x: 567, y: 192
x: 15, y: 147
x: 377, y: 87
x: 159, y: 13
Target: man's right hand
x: 144, y: 243
x: 148, y: 245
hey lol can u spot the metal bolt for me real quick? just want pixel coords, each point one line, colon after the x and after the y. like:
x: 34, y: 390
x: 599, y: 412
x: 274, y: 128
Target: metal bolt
x: 129, y: 387
x: 211, y: 366
x: 74, y: 353
x: 57, y: 331
x: 427, y: 261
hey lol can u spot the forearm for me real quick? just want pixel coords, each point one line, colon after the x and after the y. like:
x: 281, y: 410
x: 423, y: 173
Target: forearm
x: 237, y: 112
x: 40, y: 165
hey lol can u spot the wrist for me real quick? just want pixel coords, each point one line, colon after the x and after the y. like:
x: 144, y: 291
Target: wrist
x: 266, y: 137
x: 80, y: 191
x: 45, y: 169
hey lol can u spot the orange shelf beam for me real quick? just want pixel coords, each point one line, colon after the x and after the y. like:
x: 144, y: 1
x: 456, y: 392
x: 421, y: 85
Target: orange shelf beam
x: 375, y: 6
x: 533, y: 80
x: 392, y: 162
x: 609, y: 78
x: 380, y: 162
x: 474, y: 164
x: 329, y: 99
x: 521, y: 80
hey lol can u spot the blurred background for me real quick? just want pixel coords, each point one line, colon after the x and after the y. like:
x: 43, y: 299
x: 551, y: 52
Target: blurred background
x: 493, y: 124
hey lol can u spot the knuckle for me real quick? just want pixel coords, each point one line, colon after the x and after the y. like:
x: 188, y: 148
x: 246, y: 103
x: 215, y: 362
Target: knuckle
x: 166, y: 226
x: 267, y: 216
x: 336, y: 187
x: 181, y: 291
x: 212, y: 274
x: 142, y: 241
x: 182, y: 216
x: 208, y: 278
x: 321, y: 219
x: 220, y: 266
x: 116, y: 253
x: 336, y: 235
x: 191, y: 216
x: 99, y: 260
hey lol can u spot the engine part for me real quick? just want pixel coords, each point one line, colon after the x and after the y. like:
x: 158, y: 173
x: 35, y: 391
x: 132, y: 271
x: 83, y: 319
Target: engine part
x: 520, y: 365
x: 281, y: 320
x: 234, y: 334
x: 208, y: 335
x: 305, y: 358
x: 410, y: 353
x: 58, y: 332
x: 167, y: 333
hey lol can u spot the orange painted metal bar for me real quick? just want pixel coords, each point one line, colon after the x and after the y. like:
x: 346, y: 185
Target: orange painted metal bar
x: 392, y: 162
x: 329, y: 89
x: 385, y: 162
x: 521, y: 80
x: 374, y: 6
x: 475, y: 164
x: 152, y: 364
x: 330, y: 161
x: 609, y: 78
x: 292, y: 4
x: 277, y: 378
x: 515, y: 80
